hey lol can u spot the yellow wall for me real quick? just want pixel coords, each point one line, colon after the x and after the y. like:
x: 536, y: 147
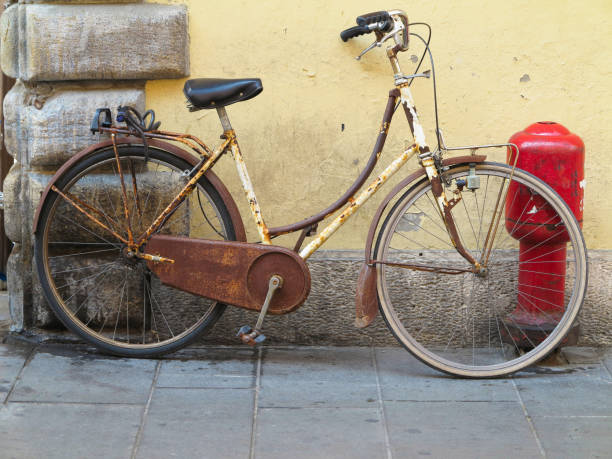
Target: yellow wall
x: 299, y: 158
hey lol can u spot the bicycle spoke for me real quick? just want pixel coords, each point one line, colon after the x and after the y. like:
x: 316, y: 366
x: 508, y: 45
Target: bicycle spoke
x: 83, y: 268
x: 472, y: 226
x: 89, y: 231
x: 118, y: 310
x: 103, y: 273
x: 102, y: 304
x: 428, y: 232
x: 90, y: 252
x: 76, y: 281
x: 71, y: 200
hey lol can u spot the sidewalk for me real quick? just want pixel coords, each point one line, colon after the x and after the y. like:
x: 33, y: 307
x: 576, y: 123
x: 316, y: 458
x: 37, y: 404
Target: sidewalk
x: 63, y: 401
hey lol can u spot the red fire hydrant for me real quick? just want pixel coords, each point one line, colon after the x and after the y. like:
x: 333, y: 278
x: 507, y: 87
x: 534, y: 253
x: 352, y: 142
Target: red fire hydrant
x: 549, y: 151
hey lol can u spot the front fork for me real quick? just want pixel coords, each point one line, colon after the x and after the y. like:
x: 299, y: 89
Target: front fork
x: 427, y: 161
x: 444, y: 208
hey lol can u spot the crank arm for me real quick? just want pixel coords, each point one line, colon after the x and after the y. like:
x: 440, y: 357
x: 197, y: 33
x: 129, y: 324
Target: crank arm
x: 253, y: 336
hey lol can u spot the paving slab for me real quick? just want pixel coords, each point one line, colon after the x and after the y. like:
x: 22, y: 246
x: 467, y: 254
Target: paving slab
x: 607, y: 360
x: 575, y: 437
x: 576, y: 355
x: 322, y: 364
x: 59, y: 374
x: 336, y: 377
x: 64, y: 431
x: 319, y: 433
x: 459, y: 430
x: 330, y: 394
x: 571, y: 390
x: 222, y: 368
x: 12, y: 359
x: 403, y: 377
x: 5, y: 315
x: 198, y: 423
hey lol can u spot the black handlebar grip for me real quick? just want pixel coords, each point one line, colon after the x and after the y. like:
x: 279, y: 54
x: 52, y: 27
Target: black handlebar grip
x: 371, y: 18
x: 354, y: 32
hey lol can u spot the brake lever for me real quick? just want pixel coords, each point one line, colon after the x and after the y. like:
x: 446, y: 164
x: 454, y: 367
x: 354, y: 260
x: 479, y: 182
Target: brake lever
x: 380, y: 38
x: 369, y: 48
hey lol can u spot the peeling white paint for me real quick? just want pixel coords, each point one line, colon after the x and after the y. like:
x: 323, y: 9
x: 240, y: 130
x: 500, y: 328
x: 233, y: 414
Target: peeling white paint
x: 582, y: 183
x: 419, y: 134
x: 533, y: 210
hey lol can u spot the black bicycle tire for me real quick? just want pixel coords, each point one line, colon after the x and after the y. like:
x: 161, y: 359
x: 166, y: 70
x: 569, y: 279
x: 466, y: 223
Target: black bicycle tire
x: 88, y: 162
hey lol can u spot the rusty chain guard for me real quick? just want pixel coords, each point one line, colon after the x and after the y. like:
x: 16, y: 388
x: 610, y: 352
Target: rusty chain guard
x: 234, y: 273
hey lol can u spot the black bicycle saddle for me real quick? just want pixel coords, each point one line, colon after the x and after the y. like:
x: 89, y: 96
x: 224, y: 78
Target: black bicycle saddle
x: 217, y: 92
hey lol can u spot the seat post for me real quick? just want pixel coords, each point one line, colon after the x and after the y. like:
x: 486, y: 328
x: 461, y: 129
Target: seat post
x: 225, y: 122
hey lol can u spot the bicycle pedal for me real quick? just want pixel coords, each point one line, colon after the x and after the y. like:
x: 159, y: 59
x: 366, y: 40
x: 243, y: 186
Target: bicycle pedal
x: 253, y: 338
x: 244, y: 330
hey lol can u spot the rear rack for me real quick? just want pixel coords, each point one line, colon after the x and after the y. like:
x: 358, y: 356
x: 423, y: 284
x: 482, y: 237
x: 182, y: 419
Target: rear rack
x: 102, y: 123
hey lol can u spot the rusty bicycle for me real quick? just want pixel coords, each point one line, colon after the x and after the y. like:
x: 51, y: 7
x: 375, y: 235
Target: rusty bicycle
x: 140, y: 246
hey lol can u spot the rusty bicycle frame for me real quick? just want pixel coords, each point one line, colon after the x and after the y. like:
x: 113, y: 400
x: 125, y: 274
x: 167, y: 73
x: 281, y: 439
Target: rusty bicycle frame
x: 428, y: 160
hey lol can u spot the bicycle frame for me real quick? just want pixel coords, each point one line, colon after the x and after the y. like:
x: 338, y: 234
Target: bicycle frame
x: 401, y: 95
x: 230, y: 143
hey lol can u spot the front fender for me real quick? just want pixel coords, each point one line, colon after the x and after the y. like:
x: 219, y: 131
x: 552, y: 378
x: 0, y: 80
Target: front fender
x: 229, y: 202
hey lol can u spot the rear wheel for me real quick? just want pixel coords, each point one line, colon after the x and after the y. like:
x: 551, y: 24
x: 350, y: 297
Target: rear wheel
x: 514, y: 312
x: 99, y: 292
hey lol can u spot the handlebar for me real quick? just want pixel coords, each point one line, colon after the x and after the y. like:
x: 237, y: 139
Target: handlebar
x: 353, y: 32
x: 385, y: 24
x: 372, y: 18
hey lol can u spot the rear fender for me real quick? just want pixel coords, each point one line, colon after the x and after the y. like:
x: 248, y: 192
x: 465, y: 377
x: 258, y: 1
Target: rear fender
x: 229, y: 202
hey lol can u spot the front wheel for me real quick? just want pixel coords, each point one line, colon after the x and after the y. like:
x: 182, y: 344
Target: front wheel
x: 91, y: 282
x: 513, y: 312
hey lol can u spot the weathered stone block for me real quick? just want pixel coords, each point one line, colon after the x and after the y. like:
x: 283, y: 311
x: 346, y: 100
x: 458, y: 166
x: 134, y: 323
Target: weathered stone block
x: 23, y: 2
x: 34, y: 184
x: 9, y: 41
x: 23, y: 190
x: 46, y: 124
x: 43, y: 42
x: 19, y: 281
x: 12, y: 204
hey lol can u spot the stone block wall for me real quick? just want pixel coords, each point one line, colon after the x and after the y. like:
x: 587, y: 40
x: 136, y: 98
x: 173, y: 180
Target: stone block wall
x: 70, y: 58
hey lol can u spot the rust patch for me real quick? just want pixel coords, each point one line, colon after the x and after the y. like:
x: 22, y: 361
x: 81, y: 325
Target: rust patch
x: 126, y: 212
x: 78, y: 205
x: 247, y: 186
x: 188, y: 188
x: 235, y: 273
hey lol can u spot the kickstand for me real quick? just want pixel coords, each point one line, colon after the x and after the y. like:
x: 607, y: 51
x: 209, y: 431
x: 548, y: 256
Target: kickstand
x: 254, y: 336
